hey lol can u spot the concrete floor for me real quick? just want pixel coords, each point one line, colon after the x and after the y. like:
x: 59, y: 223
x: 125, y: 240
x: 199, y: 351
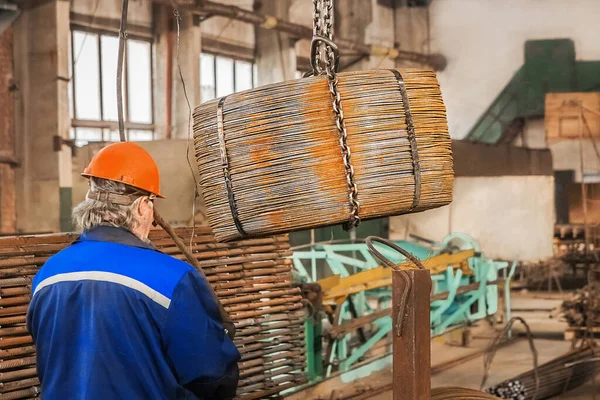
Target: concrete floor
x: 513, y: 359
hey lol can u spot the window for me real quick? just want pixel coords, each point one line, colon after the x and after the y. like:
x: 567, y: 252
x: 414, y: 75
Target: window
x: 93, y: 92
x: 220, y: 76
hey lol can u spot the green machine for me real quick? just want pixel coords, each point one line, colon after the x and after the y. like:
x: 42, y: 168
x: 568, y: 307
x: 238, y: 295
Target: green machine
x: 354, y: 296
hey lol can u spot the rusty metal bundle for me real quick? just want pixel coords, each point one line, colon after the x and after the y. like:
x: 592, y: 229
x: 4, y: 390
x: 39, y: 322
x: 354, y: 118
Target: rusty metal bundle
x: 252, y: 279
x: 582, y: 308
x: 271, y: 159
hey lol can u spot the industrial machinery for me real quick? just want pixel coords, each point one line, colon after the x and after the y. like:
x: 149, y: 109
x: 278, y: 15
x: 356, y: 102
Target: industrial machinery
x: 351, y: 295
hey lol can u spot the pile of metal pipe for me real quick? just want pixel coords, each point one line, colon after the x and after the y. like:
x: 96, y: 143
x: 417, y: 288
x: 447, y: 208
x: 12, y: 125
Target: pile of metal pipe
x: 252, y: 279
x: 557, y: 376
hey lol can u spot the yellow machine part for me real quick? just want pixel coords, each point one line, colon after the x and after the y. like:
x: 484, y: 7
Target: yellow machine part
x: 336, y: 289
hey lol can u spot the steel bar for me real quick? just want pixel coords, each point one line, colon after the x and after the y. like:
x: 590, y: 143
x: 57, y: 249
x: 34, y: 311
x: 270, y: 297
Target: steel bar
x: 16, y: 363
x: 19, y: 394
x: 15, y: 291
x: 18, y: 374
x: 10, y: 282
x: 19, y: 351
x: 15, y: 385
x: 20, y: 319
x: 411, y: 334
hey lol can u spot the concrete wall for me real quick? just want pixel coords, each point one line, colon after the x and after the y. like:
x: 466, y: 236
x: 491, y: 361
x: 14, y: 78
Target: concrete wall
x: 41, y: 113
x: 512, y: 217
x: 566, y: 154
x: 177, y: 183
x: 484, y: 39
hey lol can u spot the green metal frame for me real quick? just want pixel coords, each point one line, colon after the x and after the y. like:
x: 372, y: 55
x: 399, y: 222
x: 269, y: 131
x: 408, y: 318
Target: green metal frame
x: 550, y: 67
x: 458, y: 308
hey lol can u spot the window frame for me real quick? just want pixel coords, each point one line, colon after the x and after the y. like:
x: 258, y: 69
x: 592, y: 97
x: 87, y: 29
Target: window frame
x: 235, y: 60
x: 103, y: 124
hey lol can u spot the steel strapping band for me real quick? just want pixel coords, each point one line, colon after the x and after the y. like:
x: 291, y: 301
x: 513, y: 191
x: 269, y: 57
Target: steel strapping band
x: 225, y: 165
x: 410, y: 128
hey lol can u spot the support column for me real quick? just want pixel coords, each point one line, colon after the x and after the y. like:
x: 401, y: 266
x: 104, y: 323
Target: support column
x: 411, y: 334
x: 412, y: 31
x: 42, y: 113
x: 8, y: 212
x: 275, y: 54
x: 189, y: 59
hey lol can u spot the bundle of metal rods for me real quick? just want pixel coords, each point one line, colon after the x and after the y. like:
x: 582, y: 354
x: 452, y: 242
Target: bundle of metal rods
x: 556, y: 376
x: 270, y: 159
x: 252, y: 278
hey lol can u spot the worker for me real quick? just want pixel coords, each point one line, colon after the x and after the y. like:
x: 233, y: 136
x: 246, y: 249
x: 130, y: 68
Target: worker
x: 114, y: 318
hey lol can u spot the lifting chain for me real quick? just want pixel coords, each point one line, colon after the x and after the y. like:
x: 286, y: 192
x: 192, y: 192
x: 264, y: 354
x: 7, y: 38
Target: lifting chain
x: 324, y: 58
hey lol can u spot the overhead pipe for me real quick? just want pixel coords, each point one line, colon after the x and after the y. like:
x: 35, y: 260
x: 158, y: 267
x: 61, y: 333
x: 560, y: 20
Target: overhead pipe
x: 210, y: 8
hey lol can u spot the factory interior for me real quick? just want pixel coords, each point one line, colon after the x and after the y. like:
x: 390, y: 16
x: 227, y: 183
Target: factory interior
x: 389, y: 199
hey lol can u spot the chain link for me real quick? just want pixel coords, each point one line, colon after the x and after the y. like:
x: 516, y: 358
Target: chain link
x: 336, y: 101
x: 317, y: 31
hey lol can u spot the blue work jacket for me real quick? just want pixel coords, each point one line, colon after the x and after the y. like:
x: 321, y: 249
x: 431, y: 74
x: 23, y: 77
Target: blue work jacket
x: 113, y: 318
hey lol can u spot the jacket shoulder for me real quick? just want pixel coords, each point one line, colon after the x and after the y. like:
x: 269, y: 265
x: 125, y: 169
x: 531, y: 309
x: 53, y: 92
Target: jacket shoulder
x: 150, y: 267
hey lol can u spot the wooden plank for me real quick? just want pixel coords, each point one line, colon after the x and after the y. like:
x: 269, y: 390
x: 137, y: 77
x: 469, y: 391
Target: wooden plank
x: 562, y: 111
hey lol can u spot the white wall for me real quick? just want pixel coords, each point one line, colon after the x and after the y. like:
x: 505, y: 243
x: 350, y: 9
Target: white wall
x: 484, y: 43
x: 566, y: 154
x: 512, y: 217
x: 138, y: 13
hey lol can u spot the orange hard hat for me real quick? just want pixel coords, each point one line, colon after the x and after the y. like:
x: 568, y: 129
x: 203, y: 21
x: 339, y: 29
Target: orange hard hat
x: 127, y: 163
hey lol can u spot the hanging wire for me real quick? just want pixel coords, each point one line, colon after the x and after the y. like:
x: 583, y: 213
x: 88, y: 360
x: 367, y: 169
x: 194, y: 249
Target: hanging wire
x: 120, y: 59
x: 86, y: 35
x: 189, y: 124
x: 490, y: 352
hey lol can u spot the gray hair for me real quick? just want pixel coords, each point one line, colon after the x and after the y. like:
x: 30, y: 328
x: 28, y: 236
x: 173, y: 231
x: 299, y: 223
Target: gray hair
x: 91, y: 213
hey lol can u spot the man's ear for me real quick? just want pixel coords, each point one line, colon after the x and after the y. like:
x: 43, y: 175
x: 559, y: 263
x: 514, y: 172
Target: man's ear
x: 141, y: 204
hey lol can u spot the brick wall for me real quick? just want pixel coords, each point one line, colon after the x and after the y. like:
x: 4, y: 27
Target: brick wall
x: 7, y: 130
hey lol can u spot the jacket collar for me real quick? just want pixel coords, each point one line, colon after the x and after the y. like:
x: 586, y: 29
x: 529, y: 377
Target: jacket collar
x: 108, y: 233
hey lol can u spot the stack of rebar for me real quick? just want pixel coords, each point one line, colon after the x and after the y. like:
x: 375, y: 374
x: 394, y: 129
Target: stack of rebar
x: 270, y: 159
x: 557, y: 376
x: 251, y: 277
x: 582, y: 308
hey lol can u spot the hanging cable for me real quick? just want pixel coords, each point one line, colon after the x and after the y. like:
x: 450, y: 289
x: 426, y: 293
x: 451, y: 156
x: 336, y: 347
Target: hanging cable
x: 228, y: 324
x: 120, y: 60
x: 189, y: 125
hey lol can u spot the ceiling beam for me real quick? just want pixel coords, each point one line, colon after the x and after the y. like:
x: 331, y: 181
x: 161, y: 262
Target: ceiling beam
x: 208, y: 9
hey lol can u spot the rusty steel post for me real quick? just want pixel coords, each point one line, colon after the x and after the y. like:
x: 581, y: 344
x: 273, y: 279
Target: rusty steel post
x: 411, y: 334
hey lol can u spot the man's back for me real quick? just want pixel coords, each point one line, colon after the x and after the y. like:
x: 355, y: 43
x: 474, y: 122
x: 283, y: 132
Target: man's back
x: 121, y: 321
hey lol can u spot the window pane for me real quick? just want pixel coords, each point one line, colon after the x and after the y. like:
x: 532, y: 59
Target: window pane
x: 87, y: 80
x: 207, y: 77
x: 110, y: 51
x: 243, y: 76
x: 70, y: 84
x: 254, y: 75
x: 112, y: 135
x: 224, y: 76
x: 139, y: 81
x: 85, y: 135
x: 140, y: 135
